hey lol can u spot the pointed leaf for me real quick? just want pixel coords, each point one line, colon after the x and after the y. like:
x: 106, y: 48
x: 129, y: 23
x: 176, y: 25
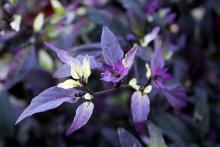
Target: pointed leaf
x: 140, y: 107
x: 127, y: 139
x: 176, y: 96
x: 83, y: 114
x: 156, y: 139
x: 49, y: 99
x: 6, y: 115
x: 129, y: 57
x: 157, y: 60
x: 21, y: 65
x: 151, y: 36
x: 63, y: 55
x: 111, y: 48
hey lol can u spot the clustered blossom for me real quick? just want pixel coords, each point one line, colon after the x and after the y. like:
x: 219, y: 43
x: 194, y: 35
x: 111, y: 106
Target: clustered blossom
x: 115, y: 68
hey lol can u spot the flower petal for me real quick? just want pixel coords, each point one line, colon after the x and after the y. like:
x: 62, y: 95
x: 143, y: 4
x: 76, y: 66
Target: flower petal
x: 69, y: 84
x: 49, y: 99
x: 86, y: 67
x: 111, y: 48
x: 133, y: 84
x: 127, y: 139
x: 76, y: 70
x: 83, y: 114
x: 140, y: 107
x: 129, y: 57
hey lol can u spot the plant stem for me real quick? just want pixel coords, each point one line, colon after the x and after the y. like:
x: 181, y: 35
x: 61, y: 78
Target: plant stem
x: 109, y: 90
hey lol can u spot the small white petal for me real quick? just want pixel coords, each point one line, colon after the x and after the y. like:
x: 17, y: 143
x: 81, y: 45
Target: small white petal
x: 86, y: 67
x: 76, y: 70
x: 148, y: 72
x: 69, y: 84
x: 88, y: 96
x: 133, y: 84
x: 147, y: 89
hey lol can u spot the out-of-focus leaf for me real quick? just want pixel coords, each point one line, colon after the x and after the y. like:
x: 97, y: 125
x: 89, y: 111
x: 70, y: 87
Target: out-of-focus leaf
x: 201, y: 113
x: 38, y: 22
x: 4, y: 66
x: 105, y: 18
x: 176, y: 96
x: 57, y: 6
x: 45, y: 60
x: 62, y: 54
x: 21, y: 65
x: 110, y: 135
x: 6, y: 118
x: 135, y: 13
x: 173, y: 128
x: 150, y: 36
x: 83, y: 114
x: 127, y: 139
x: 49, y: 99
x: 156, y: 139
x: 15, y: 24
x: 17, y: 107
x: 215, y: 4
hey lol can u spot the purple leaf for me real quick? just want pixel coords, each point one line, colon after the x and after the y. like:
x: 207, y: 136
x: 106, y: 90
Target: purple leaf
x: 127, y: 139
x: 129, y: 57
x: 111, y: 48
x: 63, y: 55
x: 156, y: 139
x: 49, y: 99
x: 21, y: 65
x: 83, y: 114
x: 63, y: 71
x: 176, y: 96
x: 151, y: 36
x: 140, y: 107
x: 157, y: 60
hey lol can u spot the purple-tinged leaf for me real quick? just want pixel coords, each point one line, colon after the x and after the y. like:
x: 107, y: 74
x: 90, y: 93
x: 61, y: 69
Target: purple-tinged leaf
x: 127, y: 139
x: 110, y: 135
x: 111, y: 48
x: 63, y: 71
x: 157, y: 60
x: 49, y: 99
x: 63, y: 55
x: 6, y: 114
x: 21, y: 65
x: 129, y: 57
x: 151, y: 36
x: 156, y: 139
x: 140, y: 107
x: 176, y: 96
x: 83, y: 114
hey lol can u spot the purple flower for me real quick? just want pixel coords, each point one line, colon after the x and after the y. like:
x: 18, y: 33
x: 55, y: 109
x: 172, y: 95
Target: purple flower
x: 117, y: 65
x: 174, y: 93
x: 159, y: 73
